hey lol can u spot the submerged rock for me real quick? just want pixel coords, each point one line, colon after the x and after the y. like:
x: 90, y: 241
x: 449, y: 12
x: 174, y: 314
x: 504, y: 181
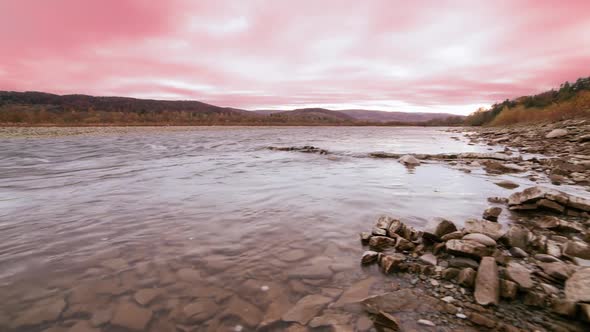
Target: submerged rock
x: 306, y: 308
x: 131, y: 316
x: 492, y: 213
x: 409, y: 160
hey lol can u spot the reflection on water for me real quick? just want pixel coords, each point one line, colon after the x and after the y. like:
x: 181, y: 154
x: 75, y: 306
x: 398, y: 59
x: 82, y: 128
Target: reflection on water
x: 185, y: 228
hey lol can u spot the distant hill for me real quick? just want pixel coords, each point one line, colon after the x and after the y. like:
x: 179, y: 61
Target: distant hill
x: 571, y: 100
x: 39, y: 108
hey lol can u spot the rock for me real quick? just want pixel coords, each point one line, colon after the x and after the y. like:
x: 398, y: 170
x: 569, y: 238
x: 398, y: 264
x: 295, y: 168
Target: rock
x: 429, y: 259
x: 396, y: 227
x: 461, y: 262
x: 369, y: 257
x: 481, y: 320
x: 468, y: 248
x: 520, y: 275
x: 435, y: 229
x: 387, y: 321
x: 549, y: 289
x: 356, y: 293
x: 306, y: 308
x: 365, y: 237
x: 295, y: 255
x: 564, y: 307
x: 531, y: 194
x: 457, y: 235
x: 131, y: 316
x: 466, y: 277
x: 492, y: 213
x: 554, y: 223
x: 189, y: 275
x: 403, y: 302
x: 556, y: 133
x: 83, y: 326
x: 487, y: 285
x: 508, y: 289
x: 425, y: 322
x: 389, y: 263
x: 200, y: 310
x: 498, y: 200
x: 577, y: 287
x: 247, y: 313
x: 450, y: 273
x: 275, y: 310
x: 491, y: 229
x: 547, y: 258
x: 577, y: 249
x: 585, y: 311
x: 535, y: 299
x: 404, y: 245
x: 331, y: 319
x: 480, y: 238
x: 378, y: 231
x: 556, y: 270
x: 44, y: 311
x: 409, y: 160
x: 516, y: 252
x: 380, y: 243
x: 146, y: 296
x: 517, y: 236
x: 101, y: 317
x: 507, y: 184
x: 550, y: 205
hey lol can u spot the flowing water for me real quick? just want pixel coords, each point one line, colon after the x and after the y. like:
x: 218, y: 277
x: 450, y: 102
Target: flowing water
x: 209, y: 216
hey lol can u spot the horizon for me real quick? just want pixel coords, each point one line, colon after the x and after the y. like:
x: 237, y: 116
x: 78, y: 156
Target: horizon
x: 262, y: 55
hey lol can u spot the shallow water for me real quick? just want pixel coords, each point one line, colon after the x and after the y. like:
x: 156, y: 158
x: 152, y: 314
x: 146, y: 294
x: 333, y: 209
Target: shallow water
x: 130, y: 210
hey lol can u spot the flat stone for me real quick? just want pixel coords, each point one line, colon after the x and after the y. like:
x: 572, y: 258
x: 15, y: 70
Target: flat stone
x: 487, y: 285
x: 466, y: 277
x: 40, y: 312
x: 425, y: 322
x: 492, y: 213
x: 356, y: 293
x: 380, y: 243
x: 200, y: 310
x: 520, y: 275
x: 331, y: 319
x: 293, y: 255
x: 577, y: 287
x: 248, y: 314
x: 457, y: 235
x: 146, y: 296
x: 564, y: 307
x: 491, y: 229
x: 517, y: 236
x: 577, y: 249
x: 275, y: 310
x: 429, y: 259
x: 516, y: 252
x: 481, y: 320
x: 556, y: 270
x: 461, y: 262
x: 508, y: 289
x: 189, y: 275
x: 83, y: 326
x: 101, y: 317
x: 306, y: 308
x: 546, y: 258
x: 369, y: 257
x: 556, y: 133
x: 507, y: 184
x: 131, y: 316
x: 480, y: 238
x: 468, y: 248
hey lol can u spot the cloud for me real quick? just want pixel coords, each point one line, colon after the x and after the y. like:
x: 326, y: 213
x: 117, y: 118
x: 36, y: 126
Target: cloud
x: 389, y: 55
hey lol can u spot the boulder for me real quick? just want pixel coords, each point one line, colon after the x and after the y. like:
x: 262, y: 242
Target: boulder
x: 429, y: 259
x: 388, y: 263
x: 491, y: 229
x: 528, y: 195
x: 559, y: 271
x: 466, y: 277
x: 480, y: 238
x: 452, y: 236
x: 369, y: 257
x: 508, y: 289
x: 380, y: 243
x: 577, y: 249
x: 404, y: 245
x: 468, y: 248
x: 519, y: 274
x: 409, y: 160
x: 577, y: 287
x: 492, y: 213
x: 365, y: 237
x: 383, y: 222
x: 487, y: 284
x: 556, y: 133
x: 507, y: 184
x: 517, y: 236
x: 435, y: 229
x: 462, y: 262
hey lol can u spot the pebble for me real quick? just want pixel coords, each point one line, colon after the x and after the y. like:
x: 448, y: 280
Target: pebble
x: 460, y: 315
x: 425, y: 322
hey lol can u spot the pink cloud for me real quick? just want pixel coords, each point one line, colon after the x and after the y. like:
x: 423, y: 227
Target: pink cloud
x: 267, y: 54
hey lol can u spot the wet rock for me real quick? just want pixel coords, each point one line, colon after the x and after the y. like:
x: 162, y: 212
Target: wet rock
x: 520, y: 275
x: 146, y: 296
x: 378, y: 231
x: 369, y: 257
x: 83, y: 326
x: 247, y: 313
x: 383, y: 222
x: 380, y: 243
x: 550, y: 205
x: 435, y: 229
x: 577, y: 287
x: 556, y: 133
x: 101, y: 317
x: 395, y: 228
x: 461, y: 262
x: 389, y: 263
x: 429, y: 259
x: 517, y: 236
x: 331, y: 319
x: 549, y: 289
x: 40, y: 312
x: 498, y: 200
x: 506, y: 184
x: 275, y: 311
x: 384, y: 320
x: 535, y: 299
x: 564, y: 307
x: 487, y: 286
x: 466, y: 277
x: 457, y: 235
x: 425, y: 322
x: 491, y: 229
x: 306, y: 308
x: 131, y: 316
x: 450, y: 273
x: 316, y: 271
x: 356, y: 293
x: 404, y: 245
x: 516, y: 252
x: 585, y: 311
x: 577, y: 249
x: 480, y: 238
x: 531, y: 194
x: 546, y: 258
x: 508, y: 289
x: 365, y: 237
x: 554, y: 223
x: 200, y: 310
x: 556, y: 270
x: 293, y: 255
x: 409, y: 160
x: 492, y: 213
x: 468, y: 248
x: 189, y: 275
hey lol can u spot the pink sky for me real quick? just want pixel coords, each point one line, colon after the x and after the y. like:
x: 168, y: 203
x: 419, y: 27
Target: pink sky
x: 451, y: 56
